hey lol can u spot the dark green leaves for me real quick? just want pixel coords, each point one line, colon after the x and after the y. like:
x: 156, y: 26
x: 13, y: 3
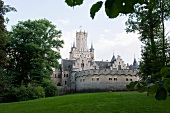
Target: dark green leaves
x: 73, y: 3
x: 112, y: 7
x: 161, y: 94
x: 95, y: 8
x: 115, y: 7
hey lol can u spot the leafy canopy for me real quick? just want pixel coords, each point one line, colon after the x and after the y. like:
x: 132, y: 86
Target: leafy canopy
x: 113, y: 8
x: 31, y: 50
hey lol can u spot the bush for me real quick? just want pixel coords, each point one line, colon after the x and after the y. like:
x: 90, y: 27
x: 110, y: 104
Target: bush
x: 49, y: 88
x: 36, y: 92
x: 22, y: 93
x: 9, y: 95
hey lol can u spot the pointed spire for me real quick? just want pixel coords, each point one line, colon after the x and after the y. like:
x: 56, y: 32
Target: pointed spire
x: 91, y: 45
x: 74, y: 44
x: 113, y: 58
x: 91, y: 49
x: 135, y: 64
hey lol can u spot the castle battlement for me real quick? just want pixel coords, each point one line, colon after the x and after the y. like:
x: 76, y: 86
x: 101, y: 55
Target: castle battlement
x: 106, y: 72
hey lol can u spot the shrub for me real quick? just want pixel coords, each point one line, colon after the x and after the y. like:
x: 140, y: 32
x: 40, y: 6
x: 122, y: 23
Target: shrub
x: 22, y: 93
x: 36, y: 92
x: 49, y: 88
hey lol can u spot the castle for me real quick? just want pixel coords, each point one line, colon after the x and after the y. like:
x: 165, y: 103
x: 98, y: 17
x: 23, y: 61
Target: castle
x: 81, y: 73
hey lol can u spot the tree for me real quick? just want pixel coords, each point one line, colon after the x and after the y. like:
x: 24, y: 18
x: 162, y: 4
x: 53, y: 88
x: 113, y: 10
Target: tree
x: 3, y: 32
x: 148, y: 21
x: 30, y: 51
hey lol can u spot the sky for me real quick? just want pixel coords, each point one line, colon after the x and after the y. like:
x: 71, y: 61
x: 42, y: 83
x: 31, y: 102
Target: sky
x: 107, y: 35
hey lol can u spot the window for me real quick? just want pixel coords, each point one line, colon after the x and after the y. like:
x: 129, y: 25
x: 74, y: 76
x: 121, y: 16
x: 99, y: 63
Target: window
x: 97, y: 79
x: 83, y: 80
x: 110, y: 79
x: 67, y: 75
x: 64, y: 75
x: 65, y: 82
x: 80, y: 80
x: 115, y: 79
x: 126, y: 79
x: 55, y: 75
x: 131, y: 80
x: 93, y: 79
x: 119, y: 67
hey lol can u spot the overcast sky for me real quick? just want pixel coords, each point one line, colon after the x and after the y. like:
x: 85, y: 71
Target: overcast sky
x: 107, y: 35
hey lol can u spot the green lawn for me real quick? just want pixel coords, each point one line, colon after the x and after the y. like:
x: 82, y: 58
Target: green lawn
x: 108, y: 102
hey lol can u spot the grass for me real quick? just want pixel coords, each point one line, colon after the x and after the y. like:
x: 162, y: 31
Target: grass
x: 107, y: 102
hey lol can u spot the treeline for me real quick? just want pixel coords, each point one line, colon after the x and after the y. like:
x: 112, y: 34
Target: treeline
x: 27, y: 55
x: 148, y: 20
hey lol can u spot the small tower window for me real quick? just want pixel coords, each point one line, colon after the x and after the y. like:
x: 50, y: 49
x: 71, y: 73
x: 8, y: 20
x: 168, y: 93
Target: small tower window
x: 115, y: 79
x: 126, y: 79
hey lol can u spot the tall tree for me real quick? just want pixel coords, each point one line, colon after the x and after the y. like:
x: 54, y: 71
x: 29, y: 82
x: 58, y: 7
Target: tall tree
x: 148, y: 21
x: 3, y: 32
x: 31, y: 50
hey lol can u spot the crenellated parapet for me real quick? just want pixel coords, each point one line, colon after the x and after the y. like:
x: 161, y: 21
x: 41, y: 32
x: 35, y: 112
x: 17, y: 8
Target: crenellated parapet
x: 106, y: 72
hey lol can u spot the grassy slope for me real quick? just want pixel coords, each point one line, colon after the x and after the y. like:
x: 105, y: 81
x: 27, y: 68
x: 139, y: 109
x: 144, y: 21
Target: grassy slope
x: 108, y: 102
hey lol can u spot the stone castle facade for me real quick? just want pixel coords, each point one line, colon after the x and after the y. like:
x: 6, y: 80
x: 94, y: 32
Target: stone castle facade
x: 81, y: 73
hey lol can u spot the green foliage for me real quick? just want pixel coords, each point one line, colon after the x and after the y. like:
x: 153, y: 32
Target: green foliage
x: 113, y: 8
x: 50, y: 88
x: 36, y: 92
x: 31, y: 50
x: 167, y: 84
x: 22, y: 93
x: 161, y: 94
x: 73, y: 3
x: 29, y: 93
x: 3, y: 32
x: 95, y: 8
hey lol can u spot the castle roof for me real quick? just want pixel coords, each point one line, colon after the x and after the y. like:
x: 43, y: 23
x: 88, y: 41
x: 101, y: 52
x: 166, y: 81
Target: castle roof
x: 102, y: 64
x: 113, y: 59
x: 135, y: 64
x: 67, y: 65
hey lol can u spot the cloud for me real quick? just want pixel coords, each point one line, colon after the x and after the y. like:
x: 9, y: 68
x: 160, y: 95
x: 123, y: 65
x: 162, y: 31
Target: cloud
x: 107, y: 30
x: 125, y: 45
x: 63, y: 21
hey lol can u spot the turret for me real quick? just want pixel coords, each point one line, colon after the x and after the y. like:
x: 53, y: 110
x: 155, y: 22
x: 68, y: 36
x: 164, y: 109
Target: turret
x: 73, y: 49
x: 92, y: 51
x: 135, y: 64
x: 113, y: 58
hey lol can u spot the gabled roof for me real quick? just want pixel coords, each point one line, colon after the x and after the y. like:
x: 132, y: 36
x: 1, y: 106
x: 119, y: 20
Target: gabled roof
x: 67, y: 65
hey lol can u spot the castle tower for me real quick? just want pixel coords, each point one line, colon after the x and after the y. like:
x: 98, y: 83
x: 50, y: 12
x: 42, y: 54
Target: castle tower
x: 92, y: 52
x: 81, y: 41
x: 81, y: 50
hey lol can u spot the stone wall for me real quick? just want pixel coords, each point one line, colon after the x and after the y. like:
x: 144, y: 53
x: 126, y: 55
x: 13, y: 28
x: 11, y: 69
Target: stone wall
x: 103, y: 80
